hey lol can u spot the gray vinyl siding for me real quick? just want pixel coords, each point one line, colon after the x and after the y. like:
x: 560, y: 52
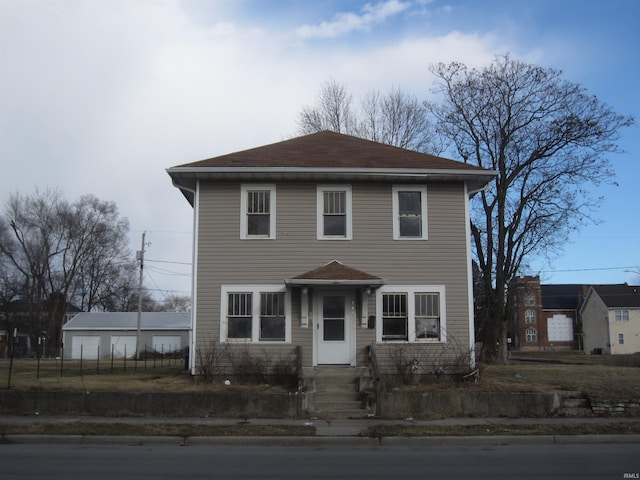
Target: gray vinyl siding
x: 225, y: 259
x: 595, y: 325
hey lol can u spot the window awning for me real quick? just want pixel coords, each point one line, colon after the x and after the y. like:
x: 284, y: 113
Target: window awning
x: 335, y: 273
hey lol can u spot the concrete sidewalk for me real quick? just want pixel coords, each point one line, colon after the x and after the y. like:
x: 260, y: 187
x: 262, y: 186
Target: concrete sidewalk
x: 349, y: 431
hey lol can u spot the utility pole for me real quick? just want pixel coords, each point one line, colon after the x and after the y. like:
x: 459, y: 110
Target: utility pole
x: 140, y: 256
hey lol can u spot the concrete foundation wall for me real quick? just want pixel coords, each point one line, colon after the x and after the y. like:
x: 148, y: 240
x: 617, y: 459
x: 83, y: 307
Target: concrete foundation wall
x: 214, y: 404
x: 473, y: 404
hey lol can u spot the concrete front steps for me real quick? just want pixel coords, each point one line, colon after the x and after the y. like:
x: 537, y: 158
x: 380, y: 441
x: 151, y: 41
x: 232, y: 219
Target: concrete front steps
x: 337, y: 392
x: 574, y: 404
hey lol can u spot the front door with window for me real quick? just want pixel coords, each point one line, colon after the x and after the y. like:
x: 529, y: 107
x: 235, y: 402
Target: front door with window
x: 334, y: 335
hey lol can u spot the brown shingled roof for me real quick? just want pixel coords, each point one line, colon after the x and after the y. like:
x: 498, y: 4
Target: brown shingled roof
x: 335, y: 273
x: 335, y: 270
x: 328, y: 149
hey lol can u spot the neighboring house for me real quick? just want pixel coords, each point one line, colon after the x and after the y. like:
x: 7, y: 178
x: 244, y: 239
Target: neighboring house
x: 611, y: 319
x: 545, y: 316
x: 551, y: 317
x: 92, y: 335
x: 326, y: 245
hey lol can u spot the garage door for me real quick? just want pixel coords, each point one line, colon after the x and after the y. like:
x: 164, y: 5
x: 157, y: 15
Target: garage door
x: 166, y: 343
x: 86, y: 347
x: 123, y: 345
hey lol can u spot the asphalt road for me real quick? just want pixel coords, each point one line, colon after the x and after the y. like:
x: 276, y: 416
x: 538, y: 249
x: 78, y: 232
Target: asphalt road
x: 157, y: 462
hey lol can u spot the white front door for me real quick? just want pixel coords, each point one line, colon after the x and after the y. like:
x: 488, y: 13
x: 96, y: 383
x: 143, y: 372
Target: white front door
x: 335, y: 335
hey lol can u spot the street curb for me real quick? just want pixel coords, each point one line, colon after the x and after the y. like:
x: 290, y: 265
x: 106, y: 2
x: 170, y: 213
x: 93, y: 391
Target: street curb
x: 320, y: 440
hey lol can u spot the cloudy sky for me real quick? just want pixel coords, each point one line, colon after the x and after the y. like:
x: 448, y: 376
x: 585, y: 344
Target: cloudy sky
x: 101, y: 96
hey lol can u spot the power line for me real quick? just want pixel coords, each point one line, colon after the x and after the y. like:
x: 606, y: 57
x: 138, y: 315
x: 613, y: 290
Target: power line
x: 163, y: 271
x: 166, y: 261
x: 587, y: 269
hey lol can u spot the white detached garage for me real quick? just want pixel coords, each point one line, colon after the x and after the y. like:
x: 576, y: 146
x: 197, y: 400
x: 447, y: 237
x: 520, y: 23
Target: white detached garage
x: 92, y: 335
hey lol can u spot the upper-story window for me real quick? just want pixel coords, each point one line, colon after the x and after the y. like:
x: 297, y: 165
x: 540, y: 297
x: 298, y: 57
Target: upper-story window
x: 529, y: 316
x: 409, y: 213
x: 529, y: 299
x: 622, y: 315
x: 334, y: 212
x: 258, y: 211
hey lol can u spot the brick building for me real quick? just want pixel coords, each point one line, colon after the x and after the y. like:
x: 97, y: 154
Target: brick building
x: 545, y: 316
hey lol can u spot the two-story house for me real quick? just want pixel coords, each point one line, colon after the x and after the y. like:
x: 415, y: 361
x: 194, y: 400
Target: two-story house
x: 328, y: 245
x: 611, y: 319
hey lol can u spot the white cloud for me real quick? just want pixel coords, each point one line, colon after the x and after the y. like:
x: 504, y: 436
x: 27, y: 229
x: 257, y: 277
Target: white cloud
x: 101, y: 97
x: 347, y: 22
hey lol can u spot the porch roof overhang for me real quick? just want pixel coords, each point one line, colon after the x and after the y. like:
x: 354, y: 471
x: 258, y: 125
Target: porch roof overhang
x: 335, y: 273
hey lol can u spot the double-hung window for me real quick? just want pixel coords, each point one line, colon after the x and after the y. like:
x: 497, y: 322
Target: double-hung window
x: 272, y: 317
x: 258, y: 313
x: 394, y: 316
x: 409, y: 213
x: 334, y: 212
x: 258, y: 207
x: 411, y: 313
x: 239, y: 315
x: 427, y: 316
x: 622, y: 315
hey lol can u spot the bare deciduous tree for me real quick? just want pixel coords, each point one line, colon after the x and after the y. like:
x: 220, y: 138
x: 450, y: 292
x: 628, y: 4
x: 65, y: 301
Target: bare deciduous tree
x: 396, y: 118
x: 548, y: 140
x: 176, y: 303
x: 62, y: 252
x: 333, y: 111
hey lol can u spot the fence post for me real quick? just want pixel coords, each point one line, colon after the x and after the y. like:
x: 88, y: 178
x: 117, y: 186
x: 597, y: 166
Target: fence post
x: 38, y: 357
x: 81, y: 358
x: 98, y: 362
x: 112, y: 348
x: 61, y: 358
x: 125, y: 358
x: 13, y: 349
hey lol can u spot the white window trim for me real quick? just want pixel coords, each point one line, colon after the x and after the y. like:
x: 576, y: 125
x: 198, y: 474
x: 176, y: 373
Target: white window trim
x: 255, y: 290
x: 249, y: 187
x: 396, y: 211
x: 411, y: 290
x: 320, y: 211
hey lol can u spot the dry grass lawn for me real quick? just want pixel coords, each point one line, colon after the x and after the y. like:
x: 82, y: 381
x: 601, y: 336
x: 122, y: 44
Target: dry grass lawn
x: 171, y: 378
x: 527, y: 372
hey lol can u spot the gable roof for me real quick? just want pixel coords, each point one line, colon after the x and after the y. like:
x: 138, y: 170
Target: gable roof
x: 619, y: 296
x: 335, y: 273
x: 129, y: 321
x: 328, y: 155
